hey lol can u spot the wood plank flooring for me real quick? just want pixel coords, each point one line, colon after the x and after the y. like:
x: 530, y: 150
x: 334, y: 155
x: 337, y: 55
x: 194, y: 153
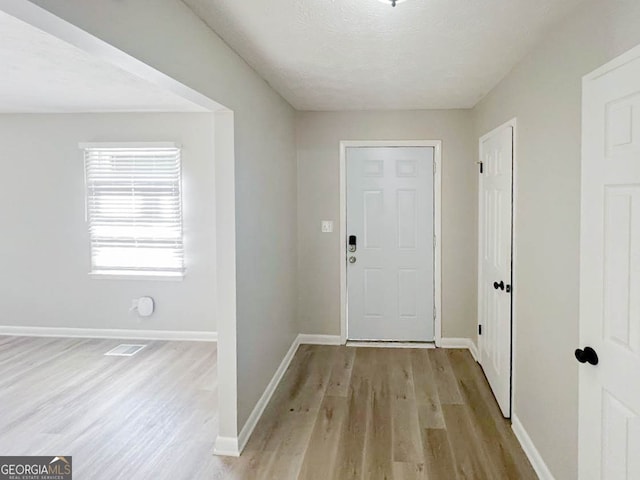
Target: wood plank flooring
x: 119, y: 417
x: 339, y: 413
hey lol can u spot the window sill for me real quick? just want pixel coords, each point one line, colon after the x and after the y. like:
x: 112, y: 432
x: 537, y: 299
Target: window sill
x: 151, y: 276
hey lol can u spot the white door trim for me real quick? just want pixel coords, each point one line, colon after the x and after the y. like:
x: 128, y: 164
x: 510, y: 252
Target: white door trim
x: 513, y: 123
x: 437, y: 189
x: 614, y: 64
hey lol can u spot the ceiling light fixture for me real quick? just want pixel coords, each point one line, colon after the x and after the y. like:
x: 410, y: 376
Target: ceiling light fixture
x: 392, y: 2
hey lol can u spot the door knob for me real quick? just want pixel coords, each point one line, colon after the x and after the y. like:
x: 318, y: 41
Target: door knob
x: 588, y: 355
x: 497, y: 285
x: 352, y: 259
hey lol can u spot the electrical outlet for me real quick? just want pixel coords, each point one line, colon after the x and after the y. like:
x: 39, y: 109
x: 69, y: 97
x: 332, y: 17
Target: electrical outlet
x: 327, y: 226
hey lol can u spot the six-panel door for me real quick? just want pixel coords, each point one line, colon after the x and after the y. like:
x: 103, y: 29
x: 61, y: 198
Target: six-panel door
x: 609, y: 417
x: 494, y: 278
x: 390, y: 211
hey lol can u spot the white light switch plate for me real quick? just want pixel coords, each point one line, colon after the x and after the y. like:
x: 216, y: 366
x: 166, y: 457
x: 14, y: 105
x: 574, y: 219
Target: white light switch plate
x: 327, y: 226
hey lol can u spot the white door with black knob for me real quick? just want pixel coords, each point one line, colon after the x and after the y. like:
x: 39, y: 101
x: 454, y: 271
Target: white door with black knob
x: 609, y: 347
x: 390, y: 243
x: 495, y: 261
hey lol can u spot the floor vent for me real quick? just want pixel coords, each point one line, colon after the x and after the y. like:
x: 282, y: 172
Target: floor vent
x: 125, y: 350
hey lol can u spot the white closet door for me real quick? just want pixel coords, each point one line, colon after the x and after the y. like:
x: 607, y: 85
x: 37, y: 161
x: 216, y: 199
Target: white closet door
x: 495, y: 218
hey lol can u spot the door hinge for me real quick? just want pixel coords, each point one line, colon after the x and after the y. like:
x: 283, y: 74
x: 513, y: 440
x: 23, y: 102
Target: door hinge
x: 434, y: 167
x: 481, y: 167
x: 435, y: 240
x: 479, y: 329
x: 434, y: 313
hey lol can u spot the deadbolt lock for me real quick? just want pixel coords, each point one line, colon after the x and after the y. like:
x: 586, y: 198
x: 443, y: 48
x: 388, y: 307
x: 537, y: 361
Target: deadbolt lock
x: 352, y: 244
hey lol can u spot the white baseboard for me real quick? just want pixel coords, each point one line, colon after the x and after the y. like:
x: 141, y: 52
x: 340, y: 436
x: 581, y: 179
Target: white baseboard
x: 258, y: 410
x: 233, y: 447
x: 460, y: 343
x: 226, y: 446
x: 474, y: 352
x: 230, y: 446
x: 530, y: 450
x: 307, y: 339
x: 109, y: 333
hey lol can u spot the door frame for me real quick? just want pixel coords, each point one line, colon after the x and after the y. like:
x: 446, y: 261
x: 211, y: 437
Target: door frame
x: 437, y: 219
x: 513, y: 123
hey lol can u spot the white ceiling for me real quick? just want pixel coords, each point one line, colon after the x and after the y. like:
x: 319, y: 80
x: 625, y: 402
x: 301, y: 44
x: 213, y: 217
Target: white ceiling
x: 363, y: 54
x: 42, y: 74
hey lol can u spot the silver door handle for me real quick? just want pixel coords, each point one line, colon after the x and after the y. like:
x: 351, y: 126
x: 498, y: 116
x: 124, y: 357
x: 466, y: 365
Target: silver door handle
x: 352, y: 259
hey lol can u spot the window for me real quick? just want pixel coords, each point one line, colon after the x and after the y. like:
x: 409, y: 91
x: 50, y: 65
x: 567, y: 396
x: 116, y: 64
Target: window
x: 134, y: 209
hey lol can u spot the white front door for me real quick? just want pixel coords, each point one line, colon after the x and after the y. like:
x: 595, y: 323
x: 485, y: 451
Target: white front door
x: 609, y: 418
x: 390, y: 220
x: 494, y: 276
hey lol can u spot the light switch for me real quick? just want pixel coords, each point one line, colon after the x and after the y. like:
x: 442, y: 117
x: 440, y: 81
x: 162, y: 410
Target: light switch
x: 327, y: 226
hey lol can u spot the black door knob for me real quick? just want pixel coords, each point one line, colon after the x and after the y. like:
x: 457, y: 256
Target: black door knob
x: 588, y: 355
x: 497, y: 285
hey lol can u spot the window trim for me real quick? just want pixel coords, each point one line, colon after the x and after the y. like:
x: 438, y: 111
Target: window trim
x: 133, y: 274
x: 136, y: 275
x: 84, y: 145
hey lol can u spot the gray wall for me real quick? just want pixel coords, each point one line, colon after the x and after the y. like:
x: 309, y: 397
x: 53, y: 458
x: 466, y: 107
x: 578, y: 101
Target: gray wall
x: 42, y: 204
x: 544, y: 92
x: 167, y: 35
x: 318, y: 139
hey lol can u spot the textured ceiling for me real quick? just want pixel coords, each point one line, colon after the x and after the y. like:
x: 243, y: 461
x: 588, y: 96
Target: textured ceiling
x: 42, y: 74
x: 363, y: 54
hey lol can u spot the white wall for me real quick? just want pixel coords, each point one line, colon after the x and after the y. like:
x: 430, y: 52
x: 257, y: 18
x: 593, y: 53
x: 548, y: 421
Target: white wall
x: 46, y: 240
x: 544, y: 92
x: 318, y: 139
x: 168, y: 36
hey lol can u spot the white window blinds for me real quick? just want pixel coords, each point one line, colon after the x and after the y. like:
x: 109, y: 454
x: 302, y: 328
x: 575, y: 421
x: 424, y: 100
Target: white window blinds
x: 134, y: 208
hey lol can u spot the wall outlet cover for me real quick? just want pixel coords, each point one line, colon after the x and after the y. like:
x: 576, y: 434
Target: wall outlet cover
x: 327, y: 226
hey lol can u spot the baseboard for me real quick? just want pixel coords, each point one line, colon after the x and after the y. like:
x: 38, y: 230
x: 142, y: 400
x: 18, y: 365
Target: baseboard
x: 460, y: 343
x: 109, y: 333
x: 474, y: 351
x: 530, y: 450
x: 226, y: 446
x: 307, y: 339
x: 258, y: 410
x: 229, y: 446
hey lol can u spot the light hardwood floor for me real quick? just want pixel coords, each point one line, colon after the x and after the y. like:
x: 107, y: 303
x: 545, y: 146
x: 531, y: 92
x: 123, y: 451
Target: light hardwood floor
x: 339, y: 413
